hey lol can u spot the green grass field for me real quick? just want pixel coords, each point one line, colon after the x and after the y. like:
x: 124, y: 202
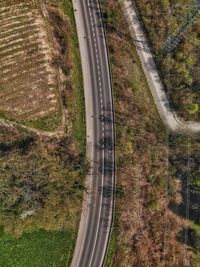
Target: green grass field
x: 37, y: 249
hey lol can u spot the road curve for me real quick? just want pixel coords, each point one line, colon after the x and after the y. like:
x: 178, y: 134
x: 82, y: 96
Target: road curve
x: 167, y: 114
x: 98, y: 203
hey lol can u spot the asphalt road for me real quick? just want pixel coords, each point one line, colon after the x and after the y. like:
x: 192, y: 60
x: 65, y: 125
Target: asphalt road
x: 97, y: 213
x: 166, y: 111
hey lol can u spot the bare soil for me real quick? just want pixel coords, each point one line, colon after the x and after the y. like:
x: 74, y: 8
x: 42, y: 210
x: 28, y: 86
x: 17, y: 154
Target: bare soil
x: 30, y: 81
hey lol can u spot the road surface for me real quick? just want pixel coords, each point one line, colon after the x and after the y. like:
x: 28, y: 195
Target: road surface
x: 98, y: 204
x: 167, y: 114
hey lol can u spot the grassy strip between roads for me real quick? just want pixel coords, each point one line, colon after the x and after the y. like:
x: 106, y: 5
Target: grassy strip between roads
x: 79, y: 129
x: 78, y: 104
x: 37, y: 249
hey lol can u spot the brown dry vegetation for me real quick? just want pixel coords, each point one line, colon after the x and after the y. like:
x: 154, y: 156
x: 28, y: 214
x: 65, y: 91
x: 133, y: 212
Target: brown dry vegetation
x: 37, y: 181
x: 185, y: 160
x: 147, y: 230
x: 33, y: 62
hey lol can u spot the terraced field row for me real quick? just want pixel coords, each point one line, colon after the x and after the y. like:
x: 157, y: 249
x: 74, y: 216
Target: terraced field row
x: 29, y: 81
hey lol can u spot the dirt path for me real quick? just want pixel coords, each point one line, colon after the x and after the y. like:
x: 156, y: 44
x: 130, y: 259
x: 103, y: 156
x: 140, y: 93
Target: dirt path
x: 59, y: 133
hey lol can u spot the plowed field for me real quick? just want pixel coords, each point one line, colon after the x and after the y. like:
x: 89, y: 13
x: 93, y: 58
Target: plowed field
x: 29, y: 82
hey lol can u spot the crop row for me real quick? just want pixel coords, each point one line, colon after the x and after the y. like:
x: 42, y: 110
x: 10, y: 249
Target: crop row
x: 29, y: 80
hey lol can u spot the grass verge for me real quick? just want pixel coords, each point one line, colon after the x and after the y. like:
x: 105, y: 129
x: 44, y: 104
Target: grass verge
x: 112, y: 247
x: 78, y: 103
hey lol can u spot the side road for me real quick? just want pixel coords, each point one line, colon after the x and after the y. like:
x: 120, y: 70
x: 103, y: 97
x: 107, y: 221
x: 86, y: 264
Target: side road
x: 167, y: 114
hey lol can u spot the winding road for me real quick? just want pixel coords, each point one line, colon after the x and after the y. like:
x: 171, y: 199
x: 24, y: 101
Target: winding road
x: 98, y: 204
x: 167, y: 114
